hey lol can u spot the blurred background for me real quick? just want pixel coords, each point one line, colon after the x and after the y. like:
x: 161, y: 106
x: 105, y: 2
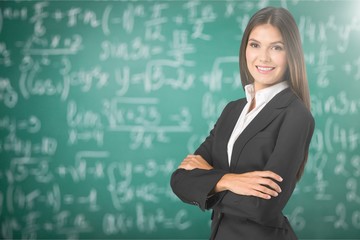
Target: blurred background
x: 101, y: 100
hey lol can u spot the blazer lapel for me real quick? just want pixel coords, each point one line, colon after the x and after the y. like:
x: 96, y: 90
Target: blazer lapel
x: 229, y: 127
x: 265, y: 116
x: 233, y: 118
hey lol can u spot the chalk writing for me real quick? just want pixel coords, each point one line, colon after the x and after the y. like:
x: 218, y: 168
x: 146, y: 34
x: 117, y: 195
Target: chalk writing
x: 101, y: 100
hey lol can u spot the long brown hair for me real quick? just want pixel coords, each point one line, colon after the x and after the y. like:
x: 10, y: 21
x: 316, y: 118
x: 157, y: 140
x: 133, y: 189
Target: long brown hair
x: 296, y: 70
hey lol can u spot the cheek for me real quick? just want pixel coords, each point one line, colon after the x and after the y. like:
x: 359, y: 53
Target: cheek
x: 250, y: 56
x: 281, y: 61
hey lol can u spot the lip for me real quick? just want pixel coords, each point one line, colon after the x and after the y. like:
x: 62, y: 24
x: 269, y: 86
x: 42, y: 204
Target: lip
x: 264, y: 69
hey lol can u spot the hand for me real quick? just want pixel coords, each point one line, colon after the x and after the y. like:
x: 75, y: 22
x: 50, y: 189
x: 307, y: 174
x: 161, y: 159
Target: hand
x: 260, y: 184
x: 195, y: 161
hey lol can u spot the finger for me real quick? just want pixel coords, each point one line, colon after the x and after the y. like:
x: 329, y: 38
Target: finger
x: 188, y: 158
x: 194, y: 159
x: 263, y: 195
x: 189, y: 164
x: 269, y: 174
x: 267, y: 191
x: 197, y: 157
x: 185, y: 164
x: 263, y: 178
x: 191, y: 158
x: 269, y: 183
x: 260, y: 194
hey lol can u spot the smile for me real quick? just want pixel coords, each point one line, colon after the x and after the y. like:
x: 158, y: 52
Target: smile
x: 265, y: 69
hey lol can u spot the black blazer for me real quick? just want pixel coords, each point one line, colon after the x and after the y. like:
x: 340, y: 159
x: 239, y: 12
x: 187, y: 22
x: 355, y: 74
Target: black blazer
x: 277, y: 140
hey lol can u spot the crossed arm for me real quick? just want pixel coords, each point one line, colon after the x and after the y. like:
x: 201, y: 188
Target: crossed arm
x: 259, y: 195
x: 262, y: 184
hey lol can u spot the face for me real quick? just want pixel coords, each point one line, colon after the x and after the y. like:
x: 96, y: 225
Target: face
x: 266, y: 56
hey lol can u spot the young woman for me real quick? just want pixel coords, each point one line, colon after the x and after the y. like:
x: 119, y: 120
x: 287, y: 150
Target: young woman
x: 248, y: 166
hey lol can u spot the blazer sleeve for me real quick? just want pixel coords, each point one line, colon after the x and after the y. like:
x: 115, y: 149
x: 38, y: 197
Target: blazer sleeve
x: 194, y: 186
x: 291, y: 149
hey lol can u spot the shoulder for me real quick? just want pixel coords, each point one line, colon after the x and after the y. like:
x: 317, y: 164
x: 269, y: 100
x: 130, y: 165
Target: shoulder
x: 235, y: 103
x: 298, y: 112
x: 233, y: 106
x: 231, y: 111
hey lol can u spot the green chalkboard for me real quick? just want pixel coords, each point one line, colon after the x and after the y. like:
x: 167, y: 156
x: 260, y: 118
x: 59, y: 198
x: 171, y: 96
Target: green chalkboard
x: 101, y: 100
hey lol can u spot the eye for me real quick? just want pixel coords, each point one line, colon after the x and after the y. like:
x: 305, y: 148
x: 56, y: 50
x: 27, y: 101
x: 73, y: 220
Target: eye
x: 254, y: 45
x: 277, y: 48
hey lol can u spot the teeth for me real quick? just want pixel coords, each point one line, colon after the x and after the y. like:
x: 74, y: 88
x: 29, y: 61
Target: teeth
x: 265, y: 68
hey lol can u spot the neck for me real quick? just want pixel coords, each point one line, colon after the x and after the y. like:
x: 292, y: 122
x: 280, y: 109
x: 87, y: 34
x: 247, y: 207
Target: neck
x: 252, y: 105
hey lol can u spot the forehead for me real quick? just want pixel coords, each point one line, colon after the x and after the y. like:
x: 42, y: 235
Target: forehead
x: 266, y: 33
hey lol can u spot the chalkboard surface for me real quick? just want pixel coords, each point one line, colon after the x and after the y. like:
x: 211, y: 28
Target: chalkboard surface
x: 101, y: 100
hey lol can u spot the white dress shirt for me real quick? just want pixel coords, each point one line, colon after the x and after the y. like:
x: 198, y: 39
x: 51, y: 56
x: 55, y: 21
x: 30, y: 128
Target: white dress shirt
x: 262, y: 97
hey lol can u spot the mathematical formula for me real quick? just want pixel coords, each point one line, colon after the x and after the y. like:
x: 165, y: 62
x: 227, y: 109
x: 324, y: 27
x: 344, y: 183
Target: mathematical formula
x: 100, y: 101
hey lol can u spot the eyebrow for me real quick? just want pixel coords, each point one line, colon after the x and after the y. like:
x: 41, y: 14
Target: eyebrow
x: 277, y: 42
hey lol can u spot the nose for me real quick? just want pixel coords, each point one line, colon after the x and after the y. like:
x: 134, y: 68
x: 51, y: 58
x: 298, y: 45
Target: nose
x: 265, y: 56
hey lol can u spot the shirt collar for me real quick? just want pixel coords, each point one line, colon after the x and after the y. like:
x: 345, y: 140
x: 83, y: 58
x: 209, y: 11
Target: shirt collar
x: 266, y: 94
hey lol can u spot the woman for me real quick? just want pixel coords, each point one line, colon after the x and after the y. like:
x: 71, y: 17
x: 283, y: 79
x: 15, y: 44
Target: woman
x: 247, y: 168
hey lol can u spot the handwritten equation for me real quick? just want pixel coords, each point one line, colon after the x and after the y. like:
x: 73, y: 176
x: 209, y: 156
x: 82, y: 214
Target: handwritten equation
x: 101, y: 100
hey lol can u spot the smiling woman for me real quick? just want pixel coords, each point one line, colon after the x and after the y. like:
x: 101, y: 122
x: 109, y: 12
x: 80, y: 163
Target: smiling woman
x: 248, y: 166
x: 266, y: 58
